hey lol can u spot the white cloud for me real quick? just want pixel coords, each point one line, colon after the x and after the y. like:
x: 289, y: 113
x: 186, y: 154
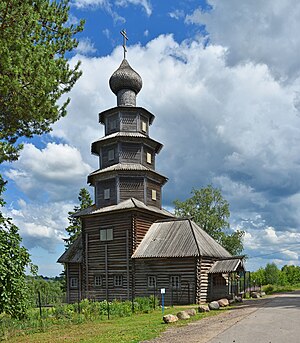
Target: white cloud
x: 53, y: 172
x: 255, y: 31
x: 104, y: 4
x: 40, y: 225
x: 145, y: 4
x: 85, y: 47
x: 177, y: 14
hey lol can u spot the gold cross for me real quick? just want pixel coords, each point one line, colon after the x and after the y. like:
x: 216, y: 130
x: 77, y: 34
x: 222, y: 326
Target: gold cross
x: 125, y: 38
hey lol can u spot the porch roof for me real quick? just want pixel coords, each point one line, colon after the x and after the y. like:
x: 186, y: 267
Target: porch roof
x: 73, y: 254
x: 227, y: 266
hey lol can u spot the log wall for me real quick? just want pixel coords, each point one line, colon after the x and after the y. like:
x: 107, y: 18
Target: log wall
x: 163, y: 269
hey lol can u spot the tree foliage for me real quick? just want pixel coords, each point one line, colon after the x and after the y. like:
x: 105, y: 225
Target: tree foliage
x: 74, y: 229
x: 34, y: 72
x: 14, y: 260
x: 210, y: 211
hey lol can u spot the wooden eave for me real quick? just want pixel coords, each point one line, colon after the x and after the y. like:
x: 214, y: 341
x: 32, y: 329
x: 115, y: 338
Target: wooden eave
x: 126, y: 137
x: 125, y: 169
x: 116, y: 109
x: 131, y: 204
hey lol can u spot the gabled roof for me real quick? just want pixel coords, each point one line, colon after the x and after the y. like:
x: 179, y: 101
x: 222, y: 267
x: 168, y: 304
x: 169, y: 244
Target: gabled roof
x: 74, y: 253
x: 131, y: 203
x: 227, y: 266
x: 178, y: 238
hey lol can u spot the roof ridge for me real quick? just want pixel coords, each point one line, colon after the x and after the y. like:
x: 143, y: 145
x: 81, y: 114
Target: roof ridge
x: 193, y: 233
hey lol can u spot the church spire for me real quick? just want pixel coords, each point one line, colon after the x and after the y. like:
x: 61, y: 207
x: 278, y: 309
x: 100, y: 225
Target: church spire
x: 125, y: 82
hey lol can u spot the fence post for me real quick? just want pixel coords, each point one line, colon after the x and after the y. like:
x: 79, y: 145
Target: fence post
x: 40, y: 305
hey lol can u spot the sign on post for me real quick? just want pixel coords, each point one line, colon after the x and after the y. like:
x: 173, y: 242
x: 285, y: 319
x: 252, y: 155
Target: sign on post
x: 162, y: 292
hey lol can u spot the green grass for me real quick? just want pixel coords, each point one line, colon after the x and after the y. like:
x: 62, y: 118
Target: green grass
x: 133, y: 329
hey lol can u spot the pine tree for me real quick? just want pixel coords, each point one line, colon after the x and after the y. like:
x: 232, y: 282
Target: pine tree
x: 74, y: 229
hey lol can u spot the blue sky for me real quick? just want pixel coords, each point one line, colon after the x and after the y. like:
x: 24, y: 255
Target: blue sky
x: 223, y: 80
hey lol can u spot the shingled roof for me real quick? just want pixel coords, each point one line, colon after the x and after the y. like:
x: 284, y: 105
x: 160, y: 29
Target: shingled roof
x: 178, y: 238
x: 73, y: 254
x: 131, y: 203
x: 227, y: 266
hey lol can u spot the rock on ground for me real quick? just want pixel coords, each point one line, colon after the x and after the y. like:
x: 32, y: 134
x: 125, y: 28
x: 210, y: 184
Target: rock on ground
x: 203, y: 308
x: 182, y: 315
x: 170, y: 318
x: 214, y: 305
x: 223, y: 302
x: 191, y: 312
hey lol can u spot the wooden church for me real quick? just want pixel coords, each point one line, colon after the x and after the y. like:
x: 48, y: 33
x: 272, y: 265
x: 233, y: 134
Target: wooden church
x: 130, y: 246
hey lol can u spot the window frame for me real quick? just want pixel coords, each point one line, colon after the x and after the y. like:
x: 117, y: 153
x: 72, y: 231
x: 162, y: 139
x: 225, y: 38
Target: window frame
x: 177, y: 284
x: 108, y: 234
x: 118, y: 280
x: 106, y: 194
x: 74, y: 282
x: 144, y: 126
x: 111, y: 154
x: 153, y: 194
x: 149, y: 158
x: 152, y: 285
x: 98, y: 280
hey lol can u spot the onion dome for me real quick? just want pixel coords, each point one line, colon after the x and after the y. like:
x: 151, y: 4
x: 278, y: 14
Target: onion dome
x: 126, y: 84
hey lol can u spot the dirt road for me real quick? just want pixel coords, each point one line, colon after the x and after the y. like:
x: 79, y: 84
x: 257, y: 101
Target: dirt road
x: 214, y: 329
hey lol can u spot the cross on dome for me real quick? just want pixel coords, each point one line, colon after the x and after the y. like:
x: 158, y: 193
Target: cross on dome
x: 125, y: 38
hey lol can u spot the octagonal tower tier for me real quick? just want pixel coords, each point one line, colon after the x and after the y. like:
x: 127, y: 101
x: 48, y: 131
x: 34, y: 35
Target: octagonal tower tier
x: 126, y: 152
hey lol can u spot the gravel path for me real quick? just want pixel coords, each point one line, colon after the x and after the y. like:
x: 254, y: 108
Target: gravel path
x: 203, y: 330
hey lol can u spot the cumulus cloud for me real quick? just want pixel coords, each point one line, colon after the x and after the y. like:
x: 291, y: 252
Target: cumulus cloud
x: 255, y: 31
x: 52, y: 172
x: 40, y: 225
x: 85, y: 47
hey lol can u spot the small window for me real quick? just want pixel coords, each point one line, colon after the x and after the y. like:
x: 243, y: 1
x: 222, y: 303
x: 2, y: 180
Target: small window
x: 144, y: 126
x: 149, y: 158
x: 74, y: 282
x: 118, y: 280
x: 106, y: 234
x: 111, y: 154
x: 98, y: 281
x: 175, y: 282
x: 107, y: 194
x: 153, y: 194
x: 151, y: 281
x: 112, y: 124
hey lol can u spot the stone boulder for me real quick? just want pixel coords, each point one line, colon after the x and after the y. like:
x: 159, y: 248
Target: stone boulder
x: 231, y: 301
x: 255, y: 295
x: 170, y: 318
x: 223, y: 302
x: 262, y: 294
x: 183, y: 315
x: 203, y: 308
x: 238, y: 299
x: 191, y: 312
x: 214, y: 305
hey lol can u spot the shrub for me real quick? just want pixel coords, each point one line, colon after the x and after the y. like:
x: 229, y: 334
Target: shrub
x: 269, y: 289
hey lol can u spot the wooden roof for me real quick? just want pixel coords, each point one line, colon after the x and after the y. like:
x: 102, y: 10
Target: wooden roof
x: 178, y: 238
x: 126, y: 136
x: 227, y: 266
x: 131, y: 203
x: 73, y: 254
x: 126, y: 168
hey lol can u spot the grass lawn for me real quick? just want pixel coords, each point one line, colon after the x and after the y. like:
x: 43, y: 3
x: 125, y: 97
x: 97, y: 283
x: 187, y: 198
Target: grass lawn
x: 119, y: 330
